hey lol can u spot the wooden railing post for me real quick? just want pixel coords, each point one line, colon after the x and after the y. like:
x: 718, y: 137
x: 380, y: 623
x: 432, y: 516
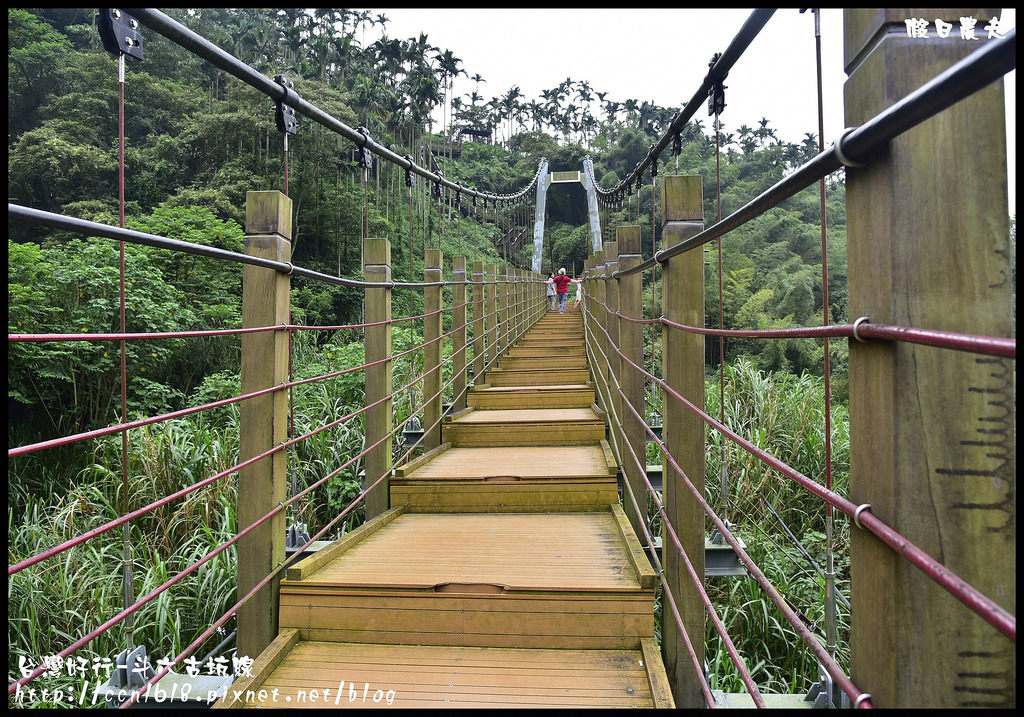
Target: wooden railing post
x: 459, y: 333
x: 600, y: 320
x: 491, y: 313
x: 631, y: 341
x: 263, y: 421
x: 377, y: 341
x: 517, y: 306
x: 540, y: 300
x: 503, y: 306
x: 432, y: 271
x: 588, y: 285
x: 479, y: 308
x: 683, y: 431
x: 611, y: 297
x: 932, y: 437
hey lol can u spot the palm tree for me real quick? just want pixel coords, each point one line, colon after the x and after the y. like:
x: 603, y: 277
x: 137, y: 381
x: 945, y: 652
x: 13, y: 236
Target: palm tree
x: 509, y: 104
x: 552, y: 104
x: 419, y: 83
x: 748, y: 142
x: 477, y: 78
x: 448, y: 63
x: 255, y: 33
x: 765, y: 133
x: 809, y: 147
x: 495, y: 115
x: 387, y: 58
x: 611, y: 109
x: 536, y: 112
x: 630, y: 107
x: 362, y: 19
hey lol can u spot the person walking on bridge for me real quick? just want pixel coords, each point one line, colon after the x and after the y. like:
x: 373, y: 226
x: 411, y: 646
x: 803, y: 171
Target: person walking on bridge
x: 562, y: 288
x: 552, y: 298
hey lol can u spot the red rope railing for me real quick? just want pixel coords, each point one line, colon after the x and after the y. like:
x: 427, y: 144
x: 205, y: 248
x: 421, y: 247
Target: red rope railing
x: 992, y: 613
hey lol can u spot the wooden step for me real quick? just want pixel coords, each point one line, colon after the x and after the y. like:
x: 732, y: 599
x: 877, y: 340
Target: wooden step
x: 548, y: 347
x: 542, y: 377
x: 524, y: 427
x: 555, y: 334
x: 526, y: 580
x: 488, y: 397
x: 293, y: 672
x: 524, y: 351
x: 512, y: 479
x: 536, y: 363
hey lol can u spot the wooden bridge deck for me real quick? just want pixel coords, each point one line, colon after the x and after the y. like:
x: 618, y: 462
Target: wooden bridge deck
x: 504, y: 575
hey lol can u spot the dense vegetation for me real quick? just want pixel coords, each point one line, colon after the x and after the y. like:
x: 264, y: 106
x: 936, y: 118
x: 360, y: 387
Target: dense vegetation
x: 197, y: 141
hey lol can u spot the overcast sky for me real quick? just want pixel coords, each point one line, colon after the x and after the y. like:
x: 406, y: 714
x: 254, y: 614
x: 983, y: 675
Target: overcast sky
x: 659, y: 55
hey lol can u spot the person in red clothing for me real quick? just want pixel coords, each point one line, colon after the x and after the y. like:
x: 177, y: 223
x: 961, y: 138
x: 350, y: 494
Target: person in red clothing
x: 562, y: 288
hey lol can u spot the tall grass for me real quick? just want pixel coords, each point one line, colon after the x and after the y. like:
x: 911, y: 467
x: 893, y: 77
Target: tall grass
x: 54, y: 603
x: 781, y: 522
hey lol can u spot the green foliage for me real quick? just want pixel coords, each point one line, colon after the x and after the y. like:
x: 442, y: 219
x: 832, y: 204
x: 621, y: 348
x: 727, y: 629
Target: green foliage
x: 37, y: 59
x: 782, y: 414
x: 197, y: 141
x: 77, y: 286
x: 58, y: 600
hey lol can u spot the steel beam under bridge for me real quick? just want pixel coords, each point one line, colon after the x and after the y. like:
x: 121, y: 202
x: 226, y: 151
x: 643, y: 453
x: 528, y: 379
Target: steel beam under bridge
x: 545, y: 181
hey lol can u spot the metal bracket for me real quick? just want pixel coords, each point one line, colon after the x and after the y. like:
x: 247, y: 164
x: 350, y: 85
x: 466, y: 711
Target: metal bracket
x: 119, y: 33
x: 410, y: 178
x: 826, y: 694
x: 296, y: 536
x: 716, y: 93
x: 720, y: 559
x: 287, y: 120
x: 131, y: 671
x: 364, y: 159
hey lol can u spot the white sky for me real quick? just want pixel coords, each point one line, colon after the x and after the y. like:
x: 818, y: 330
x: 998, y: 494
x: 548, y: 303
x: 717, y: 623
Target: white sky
x: 659, y: 55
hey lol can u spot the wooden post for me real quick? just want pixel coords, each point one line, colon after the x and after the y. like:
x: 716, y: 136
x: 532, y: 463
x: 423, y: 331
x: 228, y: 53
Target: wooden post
x: 491, y: 313
x: 588, y: 284
x: 517, y: 306
x: 479, y: 306
x: 611, y: 297
x: 377, y: 339
x: 503, y: 305
x: 683, y: 431
x: 599, y: 324
x: 932, y: 441
x: 631, y: 340
x: 432, y: 271
x: 459, y: 333
x: 263, y: 421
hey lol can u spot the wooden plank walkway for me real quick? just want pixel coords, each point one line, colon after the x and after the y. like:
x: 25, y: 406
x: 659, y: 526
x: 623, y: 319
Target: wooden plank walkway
x: 505, y: 573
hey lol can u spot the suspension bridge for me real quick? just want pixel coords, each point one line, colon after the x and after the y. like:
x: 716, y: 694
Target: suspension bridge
x: 514, y: 561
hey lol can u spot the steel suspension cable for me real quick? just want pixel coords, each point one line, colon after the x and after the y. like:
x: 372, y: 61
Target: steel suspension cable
x: 824, y: 657
x: 709, y: 608
x: 723, y: 458
x: 128, y: 579
x: 831, y: 637
x: 992, y: 613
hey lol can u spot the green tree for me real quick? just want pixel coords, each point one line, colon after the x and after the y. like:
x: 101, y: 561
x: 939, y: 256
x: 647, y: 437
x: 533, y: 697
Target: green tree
x: 37, y: 62
x: 73, y: 288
